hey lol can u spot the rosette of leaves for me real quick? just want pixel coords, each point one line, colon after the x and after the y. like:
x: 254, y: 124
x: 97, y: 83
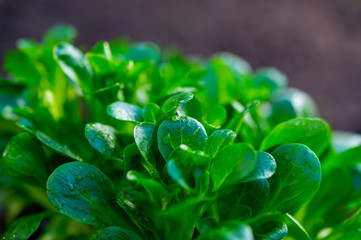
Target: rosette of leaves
x: 129, y: 141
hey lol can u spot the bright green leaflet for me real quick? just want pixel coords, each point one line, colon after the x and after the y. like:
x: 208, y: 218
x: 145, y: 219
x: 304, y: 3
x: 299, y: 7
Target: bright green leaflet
x: 104, y: 139
x: 21, y: 66
x: 125, y: 112
x: 83, y: 192
x: 151, y: 113
x: 215, y: 116
x: 232, y: 164
x: 75, y: 67
x: 24, y: 159
x: 312, y: 132
x: 218, y: 140
x: 296, y: 180
x: 24, y: 227
x: 114, y: 233
x: 180, y: 130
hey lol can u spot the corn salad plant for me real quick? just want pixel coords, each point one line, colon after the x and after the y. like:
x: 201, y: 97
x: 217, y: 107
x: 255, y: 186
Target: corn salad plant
x: 129, y: 141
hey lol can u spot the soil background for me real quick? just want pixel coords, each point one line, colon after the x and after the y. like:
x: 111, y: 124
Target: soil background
x: 317, y: 43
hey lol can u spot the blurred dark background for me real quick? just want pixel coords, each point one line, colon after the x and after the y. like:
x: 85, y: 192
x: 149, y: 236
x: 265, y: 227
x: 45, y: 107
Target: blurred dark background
x: 317, y: 43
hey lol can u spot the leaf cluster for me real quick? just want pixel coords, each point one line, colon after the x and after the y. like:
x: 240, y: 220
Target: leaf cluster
x: 129, y: 141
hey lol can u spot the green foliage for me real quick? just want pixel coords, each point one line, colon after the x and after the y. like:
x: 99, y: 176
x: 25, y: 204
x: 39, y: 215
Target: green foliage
x: 129, y: 141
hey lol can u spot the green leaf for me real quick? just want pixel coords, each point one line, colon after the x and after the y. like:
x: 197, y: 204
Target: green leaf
x: 57, y: 146
x: 342, y: 141
x: 267, y: 81
x: 113, y: 233
x: 125, y: 112
x: 158, y: 194
x: 291, y: 103
x: 151, y: 113
x: 216, y: 116
x: 173, y: 222
x: 145, y: 135
x: 143, y: 52
x: 171, y: 105
x: 24, y: 227
x: 104, y: 139
x: 75, y: 66
x: 102, y: 48
x: 228, y: 231
x: 273, y: 230
x: 314, y: 133
x: 232, y: 164
x: 295, y: 229
x: 24, y: 159
x: 60, y: 33
x: 83, y: 192
x: 186, y: 167
x: 218, y: 141
x: 21, y: 66
x: 180, y: 130
x: 265, y: 167
x: 296, y: 180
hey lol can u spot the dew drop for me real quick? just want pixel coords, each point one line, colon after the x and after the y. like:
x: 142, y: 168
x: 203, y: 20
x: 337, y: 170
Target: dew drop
x: 79, y: 177
x: 92, y: 176
x: 70, y: 186
x: 166, y: 138
x: 84, y: 219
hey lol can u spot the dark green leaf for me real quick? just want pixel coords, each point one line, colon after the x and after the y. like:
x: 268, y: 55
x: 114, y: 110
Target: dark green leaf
x: 24, y: 227
x: 24, y: 159
x: 58, y: 147
x: 232, y: 164
x: 83, y: 192
x: 145, y: 135
x: 115, y: 233
x: 180, y: 130
x: 296, y: 180
x: 273, y: 230
x: 104, y: 139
